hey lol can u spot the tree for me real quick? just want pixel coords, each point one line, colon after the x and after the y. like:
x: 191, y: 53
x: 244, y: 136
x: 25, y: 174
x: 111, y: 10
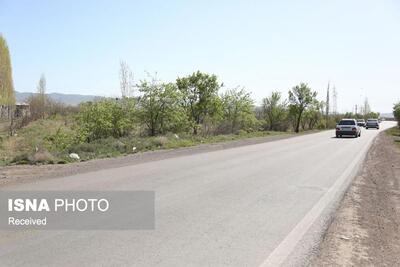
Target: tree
x: 372, y: 115
x: 366, y: 108
x: 41, y: 94
x: 327, y: 105
x: 125, y: 80
x: 313, y: 114
x: 274, y: 110
x: 159, y: 107
x: 238, y: 109
x: 396, y: 112
x: 300, y: 97
x: 103, y: 119
x: 200, y: 93
x: 7, y: 95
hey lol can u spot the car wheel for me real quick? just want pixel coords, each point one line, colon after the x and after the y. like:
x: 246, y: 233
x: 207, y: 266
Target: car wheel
x: 337, y: 136
x: 366, y: 128
x: 355, y: 136
x: 359, y: 135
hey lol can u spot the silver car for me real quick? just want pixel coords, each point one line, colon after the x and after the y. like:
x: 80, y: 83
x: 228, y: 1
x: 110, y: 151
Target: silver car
x: 348, y: 127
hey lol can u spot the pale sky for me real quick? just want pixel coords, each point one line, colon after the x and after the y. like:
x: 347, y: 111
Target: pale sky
x: 264, y: 46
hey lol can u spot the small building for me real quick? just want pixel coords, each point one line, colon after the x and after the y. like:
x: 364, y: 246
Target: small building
x: 22, y: 110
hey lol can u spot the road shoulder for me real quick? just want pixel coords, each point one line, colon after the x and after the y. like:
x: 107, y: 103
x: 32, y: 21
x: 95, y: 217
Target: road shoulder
x: 18, y: 174
x: 365, y: 229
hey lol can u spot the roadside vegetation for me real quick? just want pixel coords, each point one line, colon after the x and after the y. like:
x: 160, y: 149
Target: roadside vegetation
x: 149, y: 115
x: 395, y: 131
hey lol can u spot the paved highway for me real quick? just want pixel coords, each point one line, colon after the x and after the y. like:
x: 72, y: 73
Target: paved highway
x: 256, y: 205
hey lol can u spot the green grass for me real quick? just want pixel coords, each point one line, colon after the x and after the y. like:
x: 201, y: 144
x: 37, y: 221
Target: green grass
x: 31, y: 143
x: 51, y: 141
x: 395, y: 132
x: 112, y: 147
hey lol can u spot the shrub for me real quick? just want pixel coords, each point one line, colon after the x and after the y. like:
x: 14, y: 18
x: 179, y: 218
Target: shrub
x: 60, y: 140
x: 42, y: 157
x: 396, y: 112
x: 103, y: 119
x: 160, y: 141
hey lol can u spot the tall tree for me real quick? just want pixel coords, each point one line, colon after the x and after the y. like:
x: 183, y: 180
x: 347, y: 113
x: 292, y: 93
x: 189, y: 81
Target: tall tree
x: 300, y: 97
x: 7, y: 95
x: 125, y: 80
x: 327, y: 104
x: 366, y: 109
x: 41, y: 93
x: 200, y: 91
x: 274, y: 110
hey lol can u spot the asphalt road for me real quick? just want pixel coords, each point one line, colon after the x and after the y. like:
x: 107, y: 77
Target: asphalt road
x: 256, y: 205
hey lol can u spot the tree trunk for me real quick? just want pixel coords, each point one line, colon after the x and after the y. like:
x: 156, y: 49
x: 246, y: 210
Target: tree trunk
x: 298, y: 122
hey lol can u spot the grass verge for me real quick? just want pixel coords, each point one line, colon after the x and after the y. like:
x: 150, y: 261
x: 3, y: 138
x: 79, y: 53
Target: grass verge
x: 51, y: 141
x: 395, y: 132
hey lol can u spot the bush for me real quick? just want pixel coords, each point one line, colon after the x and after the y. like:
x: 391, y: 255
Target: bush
x: 396, y: 113
x: 160, y: 141
x: 103, y: 119
x: 60, y: 140
x: 42, y: 157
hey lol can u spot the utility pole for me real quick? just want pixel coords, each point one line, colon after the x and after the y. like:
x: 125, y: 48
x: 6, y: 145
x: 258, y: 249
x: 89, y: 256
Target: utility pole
x: 327, y: 107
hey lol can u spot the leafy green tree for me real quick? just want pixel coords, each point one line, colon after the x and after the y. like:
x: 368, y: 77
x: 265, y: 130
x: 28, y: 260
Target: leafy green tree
x: 274, y: 110
x: 103, y: 119
x: 238, y: 109
x: 396, y: 112
x: 300, y: 97
x: 7, y: 95
x: 313, y: 114
x: 371, y: 115
x: 159, y: 107
x: 199, y: 97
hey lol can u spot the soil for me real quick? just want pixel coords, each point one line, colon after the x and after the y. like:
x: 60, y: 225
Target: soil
x: 366, y: 228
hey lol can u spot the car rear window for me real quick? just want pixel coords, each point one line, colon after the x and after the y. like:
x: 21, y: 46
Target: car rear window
x: 347, y: 123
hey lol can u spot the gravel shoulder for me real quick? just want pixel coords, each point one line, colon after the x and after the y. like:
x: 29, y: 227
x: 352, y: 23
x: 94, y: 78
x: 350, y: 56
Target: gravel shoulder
x: 31, y: 173
x: 366, y: 228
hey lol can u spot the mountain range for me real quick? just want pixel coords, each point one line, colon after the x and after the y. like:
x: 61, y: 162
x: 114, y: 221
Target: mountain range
x: 68, y: 99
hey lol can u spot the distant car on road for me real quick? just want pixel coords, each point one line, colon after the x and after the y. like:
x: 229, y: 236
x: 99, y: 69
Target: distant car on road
x: 372, y: 123
x: 348, y: 127
x: 361, y: 122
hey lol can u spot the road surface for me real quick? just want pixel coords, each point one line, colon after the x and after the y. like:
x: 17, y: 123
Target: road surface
x: 256, y: 205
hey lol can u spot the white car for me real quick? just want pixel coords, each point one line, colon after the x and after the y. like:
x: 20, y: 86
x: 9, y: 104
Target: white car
x: 348, y: 127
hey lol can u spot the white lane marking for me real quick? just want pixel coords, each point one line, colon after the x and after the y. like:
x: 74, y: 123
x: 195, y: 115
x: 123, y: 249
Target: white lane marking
x: 285, y: 248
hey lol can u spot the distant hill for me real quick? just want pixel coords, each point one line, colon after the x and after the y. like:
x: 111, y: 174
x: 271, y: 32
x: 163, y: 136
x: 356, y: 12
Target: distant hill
x: 68, y: 99
x: 387, y: 115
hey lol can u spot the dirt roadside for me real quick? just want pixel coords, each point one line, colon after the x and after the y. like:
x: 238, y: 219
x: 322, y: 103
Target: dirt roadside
x: 366, y: 227
x: 30, y: 173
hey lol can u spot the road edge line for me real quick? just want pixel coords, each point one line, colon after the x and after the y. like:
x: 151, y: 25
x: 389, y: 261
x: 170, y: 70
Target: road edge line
x: 288, y: 244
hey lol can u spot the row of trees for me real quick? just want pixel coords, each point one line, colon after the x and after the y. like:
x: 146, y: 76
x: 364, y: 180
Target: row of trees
x: 195, y: 104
